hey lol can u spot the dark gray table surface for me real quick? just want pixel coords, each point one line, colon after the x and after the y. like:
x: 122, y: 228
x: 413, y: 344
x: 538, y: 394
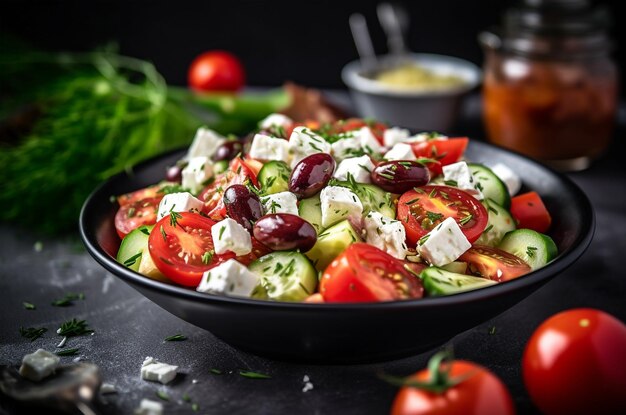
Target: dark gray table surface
x: 128, y: 327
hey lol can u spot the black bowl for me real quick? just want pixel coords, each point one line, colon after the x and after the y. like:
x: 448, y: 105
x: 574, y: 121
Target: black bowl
x: 333, y: 333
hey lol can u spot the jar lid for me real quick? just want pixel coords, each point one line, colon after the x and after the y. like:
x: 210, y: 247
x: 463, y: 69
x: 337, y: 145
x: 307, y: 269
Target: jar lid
x: 556, y: 18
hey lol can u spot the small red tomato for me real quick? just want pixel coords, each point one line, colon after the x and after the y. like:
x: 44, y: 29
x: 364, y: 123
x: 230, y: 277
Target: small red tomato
x: 575, y: 363
x: 216, y: 71
x: 457, y: 387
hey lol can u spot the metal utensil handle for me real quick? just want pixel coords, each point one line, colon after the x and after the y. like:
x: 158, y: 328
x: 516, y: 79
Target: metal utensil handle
x: 363, y: 41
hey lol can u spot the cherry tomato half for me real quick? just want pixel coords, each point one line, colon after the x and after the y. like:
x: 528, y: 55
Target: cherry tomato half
x: 480, y: 392
x: 530, y: 212
x: 364, y: 273
x: 444, y: 151
x: 422, y: 209
x: 216, y: 71
x: 182, y: 250
x: 493, y: 263
x: 238, y: 173
x: 575, y: 363
x: 134, y: 214
x: 146, y: 192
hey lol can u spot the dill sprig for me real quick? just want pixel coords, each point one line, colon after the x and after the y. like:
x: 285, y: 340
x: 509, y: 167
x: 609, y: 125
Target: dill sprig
x: 32, y: 333
x: 74, y: 327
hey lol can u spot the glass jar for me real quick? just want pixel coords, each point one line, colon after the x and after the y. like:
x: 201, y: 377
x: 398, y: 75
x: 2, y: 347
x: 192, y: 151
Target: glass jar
x: 550, y: 87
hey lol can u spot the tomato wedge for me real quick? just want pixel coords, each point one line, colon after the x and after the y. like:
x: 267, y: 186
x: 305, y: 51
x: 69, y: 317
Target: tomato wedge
x: 182, y: 249
x: 493, y: 263
x: 364, y: 273
x: 137, y: 195
x: 134, y: 214
x: 423, y: 208
x: 530, y: 212
x: 444, y: 151
x: 238, y: 173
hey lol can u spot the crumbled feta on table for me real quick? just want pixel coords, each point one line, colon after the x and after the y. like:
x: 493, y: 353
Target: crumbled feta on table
x: 39, y: 365
x: 155, y: 371
x: 149, y: 407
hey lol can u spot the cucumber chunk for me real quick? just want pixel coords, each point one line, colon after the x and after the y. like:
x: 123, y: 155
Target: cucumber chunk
x: 285, y: 276
x: 492, y: 187
x: 274, y: 177
x: 332, y: 242
x: 310, y: 209
x: 373, y: 198
x: 438, y: 281
x: 132, y: 247
x: 499, y: 224
x: 533, y: 247
x: 458, y: 267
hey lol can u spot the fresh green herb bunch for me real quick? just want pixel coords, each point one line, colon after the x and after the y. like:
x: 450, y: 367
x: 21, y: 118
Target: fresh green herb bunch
x: 69, y: 121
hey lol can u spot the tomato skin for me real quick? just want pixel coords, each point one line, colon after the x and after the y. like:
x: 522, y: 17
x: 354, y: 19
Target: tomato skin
x: 134, y: 214
x: 216, y: 71
x: 493, y: 263
x: 192, y: 236
x: 364, y: 273
x: 530, y: 212
x: 482, y: 393
x: 575, y: 363
x: 445, y: 151
x: 413, y: 205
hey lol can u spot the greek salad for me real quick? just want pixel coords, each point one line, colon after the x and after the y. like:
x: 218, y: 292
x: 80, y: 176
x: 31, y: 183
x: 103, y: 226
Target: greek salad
x: 352, y: 211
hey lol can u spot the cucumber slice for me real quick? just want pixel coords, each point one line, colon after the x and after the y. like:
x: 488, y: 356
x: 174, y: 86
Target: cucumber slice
x: 220, y: 167
x: 285, y: 276
x: 332, y: 242
x: 533, y: 247
x: 274, y: 177
x: 499, y: 224
x: 132, y: 247
x: 492, y: 187
x: 438, y: 281
x: 310, y: 210
x: 373, y: 198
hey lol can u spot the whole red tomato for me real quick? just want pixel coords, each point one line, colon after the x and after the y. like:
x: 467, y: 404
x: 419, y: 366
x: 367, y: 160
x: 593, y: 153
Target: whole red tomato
x: 575, y: 363
x: 216, y: 71
x: 457, y: 387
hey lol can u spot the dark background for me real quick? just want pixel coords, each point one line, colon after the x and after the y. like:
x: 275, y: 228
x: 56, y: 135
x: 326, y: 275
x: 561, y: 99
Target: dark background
x: 307, y: 42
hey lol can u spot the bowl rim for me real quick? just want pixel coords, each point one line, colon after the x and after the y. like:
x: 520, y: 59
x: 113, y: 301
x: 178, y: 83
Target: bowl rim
x: 351, y: 76
x: 566, y: 258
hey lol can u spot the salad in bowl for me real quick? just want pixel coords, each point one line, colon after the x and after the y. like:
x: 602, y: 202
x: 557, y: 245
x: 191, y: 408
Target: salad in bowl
x: 352, y: 211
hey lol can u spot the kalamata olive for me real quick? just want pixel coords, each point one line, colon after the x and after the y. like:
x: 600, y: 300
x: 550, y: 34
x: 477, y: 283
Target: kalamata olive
x: 399, y: 176
x: 311, y: 174
x: 283, y: 231
x: 242, y: 205
x: 228, y: 150
x: 175, y: 173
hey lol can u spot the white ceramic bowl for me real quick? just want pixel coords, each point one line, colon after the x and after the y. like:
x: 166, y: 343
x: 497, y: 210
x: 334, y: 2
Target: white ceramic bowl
x: 420, y: 109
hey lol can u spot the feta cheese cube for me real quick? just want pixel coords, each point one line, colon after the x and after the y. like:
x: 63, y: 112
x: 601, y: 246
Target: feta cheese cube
x: 39, y: 365
x: 155, y: 371
x: 230, y: 278
x: 395, y: 135
x: 303, y: 142
x: 359, y: 167
x: 424, y: 136
x: 196, y: 174
x: 281, y: 202
x: 368, y: 141
x: 205, y: 143
x: 228, y: 235
x: 149, y: 407
x: 510, y: 179
x: 459, y: 175
x: 400, y: 151
x: 345, y: 147
x: 386, y: 234
x: 107, y: 388
x: 444, y: 244
x: 278, y: 120
x: 338, y: 203
x: 178, y: 202
x: 267, y: 148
